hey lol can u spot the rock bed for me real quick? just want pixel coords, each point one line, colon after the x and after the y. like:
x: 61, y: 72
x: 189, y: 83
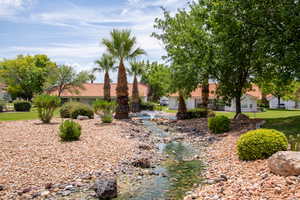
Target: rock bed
x: 34, y: 163
x: 230, y: 178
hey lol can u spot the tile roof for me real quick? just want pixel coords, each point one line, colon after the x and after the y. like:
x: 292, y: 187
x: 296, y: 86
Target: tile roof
x: 197, y: 93
x: 96, y: 90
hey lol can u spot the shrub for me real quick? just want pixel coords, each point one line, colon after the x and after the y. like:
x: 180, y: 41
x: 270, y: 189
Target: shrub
x: 22, y: 106
x: 294, y: 141
x: 159, y: 107
x: 73, y: 109
x: 81, y: 109
x: 261, y: 144
x: 219, y: 124
x: 69, y: 130
x: 200, y: 113
x: 105, y: 109
x: 147, y: 106
x: 46, y: 106
x: 2, y: 105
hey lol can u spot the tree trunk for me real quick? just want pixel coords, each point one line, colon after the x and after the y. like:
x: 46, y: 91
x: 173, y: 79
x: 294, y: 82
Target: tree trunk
x: 135, y: 104
x: 122, y: 109
x: 238, y: 108
x: 264, y: 100
x: 205, y: 93
x: 106, y: 87
x: 278, y: 99
x: 182, y: 111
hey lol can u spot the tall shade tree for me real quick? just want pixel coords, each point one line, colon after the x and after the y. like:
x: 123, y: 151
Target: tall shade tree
x: 136, y: 69
x: 65, y: 78
x: 25, y: 76
x: 122, y: 45
x: 187, y: 43
x: 106, y: 64
x: 158, y: 78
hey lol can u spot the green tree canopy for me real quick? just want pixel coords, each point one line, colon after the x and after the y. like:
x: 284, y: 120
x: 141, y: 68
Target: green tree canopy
x: 25, y: 76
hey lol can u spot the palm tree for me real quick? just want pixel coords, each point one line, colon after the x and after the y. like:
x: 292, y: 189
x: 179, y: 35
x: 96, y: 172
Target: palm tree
x: 105, y: 64
x: 135, y: 70
x: 92, y: 77
x: 122, y: 46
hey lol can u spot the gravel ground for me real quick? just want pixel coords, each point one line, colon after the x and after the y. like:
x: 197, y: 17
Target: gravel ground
x: 33, y: 156
x: 230, y: 178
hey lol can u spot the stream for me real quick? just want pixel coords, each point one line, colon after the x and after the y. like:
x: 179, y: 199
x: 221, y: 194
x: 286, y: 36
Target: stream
x: 177, y: 175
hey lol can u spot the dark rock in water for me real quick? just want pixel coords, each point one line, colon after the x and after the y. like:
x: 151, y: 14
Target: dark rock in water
x: 142, y: 162
x: 106, y: 188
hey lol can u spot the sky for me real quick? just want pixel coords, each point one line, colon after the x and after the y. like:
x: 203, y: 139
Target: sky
x: 70, y: 31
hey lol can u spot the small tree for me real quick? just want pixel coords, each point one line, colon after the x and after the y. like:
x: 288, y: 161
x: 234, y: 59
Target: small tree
x: 46, y: 106
x: 65, y: 78
x: 105, y: 109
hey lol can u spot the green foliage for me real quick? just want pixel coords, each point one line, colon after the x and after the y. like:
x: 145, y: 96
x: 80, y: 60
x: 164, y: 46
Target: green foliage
x: 148, y: 105
x: 261, y: 144
x: 22, y: 106
x: 69, y: 130
x: 65, y: 78
x: 65, y: 110
x: 106, y: 63
x: 46, y: 106
x: 200, y: 113
x: 2, y: 105
x: 294, y: 141
x: 107, y: 118
x: 81, y: 109
x: 158, y: 78
x: 26, y: 75
x: 219, y: 124
x: 105, y: 108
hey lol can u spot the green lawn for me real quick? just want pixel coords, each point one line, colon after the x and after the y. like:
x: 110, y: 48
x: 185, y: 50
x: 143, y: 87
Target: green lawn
x: 12, y: 116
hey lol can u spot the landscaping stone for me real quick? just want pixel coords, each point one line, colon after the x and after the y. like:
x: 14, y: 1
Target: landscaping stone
x: 106, y: 188
x: 142, y: 162
x: 285, y: 163
x: 81, y: 117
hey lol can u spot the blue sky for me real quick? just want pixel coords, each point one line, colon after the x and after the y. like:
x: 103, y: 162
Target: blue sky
x: 70, y: 31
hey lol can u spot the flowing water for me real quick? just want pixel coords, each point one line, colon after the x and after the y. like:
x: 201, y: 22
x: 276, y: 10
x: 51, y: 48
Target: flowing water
x: 178, y: 174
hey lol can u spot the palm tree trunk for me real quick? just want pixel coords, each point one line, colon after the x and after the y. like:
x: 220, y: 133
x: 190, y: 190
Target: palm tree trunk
x: 135, y: 105
x: 106, y: 87
x: 122, y: 109
x: 205, y: 93
x: 182, y: 111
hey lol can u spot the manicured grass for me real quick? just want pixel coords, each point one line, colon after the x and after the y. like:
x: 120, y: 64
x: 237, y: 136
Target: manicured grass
x: 287, y: 121
x: 269, y: 114
x: 12, y: 116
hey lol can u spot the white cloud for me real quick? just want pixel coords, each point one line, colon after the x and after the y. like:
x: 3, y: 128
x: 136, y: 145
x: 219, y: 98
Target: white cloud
x: 10, y: 8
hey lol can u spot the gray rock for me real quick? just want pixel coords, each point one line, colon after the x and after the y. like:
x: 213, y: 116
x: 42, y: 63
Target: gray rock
x: 2, y: 187
x: 106, y: 188
x: 285, y: 163
x: 66, y: 193
x: 81, y: 117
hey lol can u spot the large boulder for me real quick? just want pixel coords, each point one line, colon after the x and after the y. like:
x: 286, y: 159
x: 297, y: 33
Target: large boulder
x: 106, y: 188
x: 285, y: 163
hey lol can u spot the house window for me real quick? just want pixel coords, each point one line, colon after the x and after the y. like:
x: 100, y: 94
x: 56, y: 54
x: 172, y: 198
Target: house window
x: 244, y: 105
x: 251, y: 106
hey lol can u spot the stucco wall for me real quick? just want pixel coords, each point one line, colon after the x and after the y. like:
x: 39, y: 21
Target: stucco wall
x: 273, y: 103
x: 173, y: 103
x: 248, y: 104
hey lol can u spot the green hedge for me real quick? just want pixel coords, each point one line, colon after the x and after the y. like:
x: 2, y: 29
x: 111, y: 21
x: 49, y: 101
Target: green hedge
x: 22, y: 106
x: 147, y: 106
x: 261, y: 144
x: 69, y: 130
x: 219, y: 124
x: 200, y: 113
x: 73, y: 109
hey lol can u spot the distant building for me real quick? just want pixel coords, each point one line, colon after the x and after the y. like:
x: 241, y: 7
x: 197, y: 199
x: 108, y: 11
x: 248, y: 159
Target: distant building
x: 286, y: 104
x: 4, y: 96
x: 93, y: 91
x: 248, y: 100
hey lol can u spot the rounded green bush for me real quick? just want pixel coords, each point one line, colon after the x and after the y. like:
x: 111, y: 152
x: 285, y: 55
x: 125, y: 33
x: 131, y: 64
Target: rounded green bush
x: 107, y: 118
x: 69, y: 130
x: 219, y: 124
x: 22, y: 106
x: 261, y: 144
x: 73, y: 109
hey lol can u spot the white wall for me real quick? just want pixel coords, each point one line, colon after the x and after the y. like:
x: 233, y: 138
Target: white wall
x: 289, y: 104
x: 173, y: 103
x: 248, y: 104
